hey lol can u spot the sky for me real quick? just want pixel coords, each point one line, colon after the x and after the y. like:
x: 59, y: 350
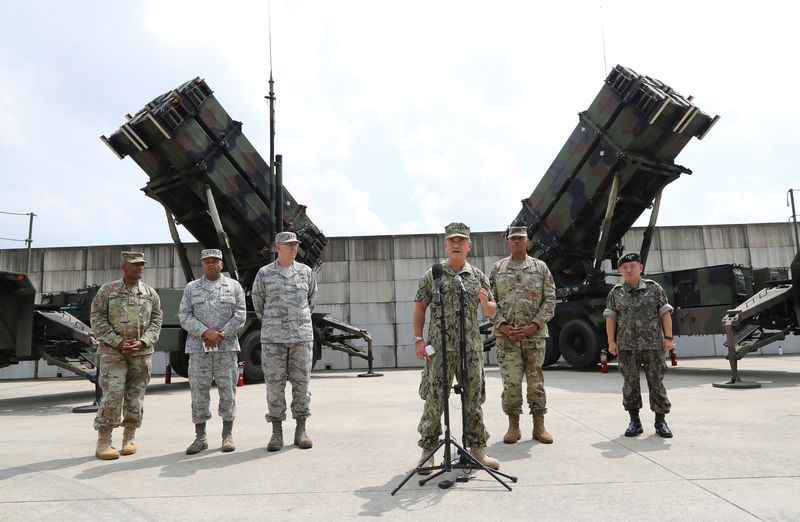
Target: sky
x: 392, y: 117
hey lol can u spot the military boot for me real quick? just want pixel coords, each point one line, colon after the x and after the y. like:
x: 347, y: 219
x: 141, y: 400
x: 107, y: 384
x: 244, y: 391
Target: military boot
x: 104, y: 450
x: 480, y: 455
x: 200, y: 440
x: 128, y: 442
x: 635, y: 427
x: 661, y: 426
x: 276, y: 441
x: 227, y: 436
x: 513, y: 434
x: 301, y: 439
x: 539, y: 431
x: 427, y: 464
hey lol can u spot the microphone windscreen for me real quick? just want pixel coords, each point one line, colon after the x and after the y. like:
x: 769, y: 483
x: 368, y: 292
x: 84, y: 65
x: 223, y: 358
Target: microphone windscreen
x: 437, y: 271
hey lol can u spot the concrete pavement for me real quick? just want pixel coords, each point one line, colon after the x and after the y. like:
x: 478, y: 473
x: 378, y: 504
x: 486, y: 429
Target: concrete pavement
x: 735, y: 454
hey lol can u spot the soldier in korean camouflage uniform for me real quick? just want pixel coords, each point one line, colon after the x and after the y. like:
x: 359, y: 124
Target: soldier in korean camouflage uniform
x: 212, y: 310
x: 431, y: 390
x: 126, y: 319
x: 283, y: 298
x: 526, y: 300
x: 636, y: 313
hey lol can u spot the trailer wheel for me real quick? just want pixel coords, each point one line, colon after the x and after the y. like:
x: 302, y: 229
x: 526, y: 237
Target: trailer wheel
x: 250, y: 344
x: 179, y: 363
x: 552, y: 353
x: 579, y: 344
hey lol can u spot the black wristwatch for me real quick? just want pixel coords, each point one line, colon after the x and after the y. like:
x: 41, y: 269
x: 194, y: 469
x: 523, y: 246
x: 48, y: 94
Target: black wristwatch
x: 668, y: 337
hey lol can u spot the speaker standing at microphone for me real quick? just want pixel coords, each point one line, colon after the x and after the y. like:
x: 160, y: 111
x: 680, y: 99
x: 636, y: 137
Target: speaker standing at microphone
x: 476, y: 293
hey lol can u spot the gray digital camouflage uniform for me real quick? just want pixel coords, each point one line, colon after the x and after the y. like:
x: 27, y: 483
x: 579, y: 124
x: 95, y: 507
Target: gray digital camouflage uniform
x: 212, y: 305
x: 283, y: 298
x: 124, y: 312
x: 637, y: 312
x: 431, y: 388
x: 525, y: 294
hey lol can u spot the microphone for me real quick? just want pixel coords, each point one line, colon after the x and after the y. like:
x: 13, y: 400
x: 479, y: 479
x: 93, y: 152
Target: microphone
x: 437, y: 283
x: 460, y: 283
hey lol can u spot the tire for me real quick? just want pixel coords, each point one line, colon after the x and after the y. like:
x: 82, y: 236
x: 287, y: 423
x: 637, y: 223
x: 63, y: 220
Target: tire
x: 552, y: 352
x: 250, y: 344
x: 579, y: 344
x: 179, y: 363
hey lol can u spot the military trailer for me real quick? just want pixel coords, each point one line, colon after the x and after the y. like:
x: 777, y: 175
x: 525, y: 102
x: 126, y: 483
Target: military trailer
x: 612, y: 168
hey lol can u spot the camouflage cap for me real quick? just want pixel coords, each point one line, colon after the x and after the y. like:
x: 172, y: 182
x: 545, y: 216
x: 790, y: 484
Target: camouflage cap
x: 133, y: 257
x: 211, y: 252
x: 627, y: 258
x: 517, y: 232
x: 456, y: 230
x: 285, y: 237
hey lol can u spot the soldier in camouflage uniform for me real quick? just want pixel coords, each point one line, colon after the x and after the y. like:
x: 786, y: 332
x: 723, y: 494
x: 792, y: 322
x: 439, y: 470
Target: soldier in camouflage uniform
x: 126, y: 319
x: 526, y: 300
x: 636, y: 312
x: 283, y: 298
x: 212, y: 310
x: 431, y: 389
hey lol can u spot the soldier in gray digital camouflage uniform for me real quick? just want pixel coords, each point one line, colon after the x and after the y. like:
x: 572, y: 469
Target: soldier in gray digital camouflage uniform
x: 212, y: 310
x: 283, y: 298
x: 526, y: 300
x: 126, y: 319
x: 431, y: 389
x: 637, y: 312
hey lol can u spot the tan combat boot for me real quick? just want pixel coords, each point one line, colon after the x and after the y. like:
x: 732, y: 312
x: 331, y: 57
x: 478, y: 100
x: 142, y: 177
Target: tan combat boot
x: 301, y: 439
x: 539, y: 432
x: 128, y: 442
x: 104, y: 450
x: 513, y: 434
x: 276, y: 441
x: 200, y: 440
x: 227, y: 436
x: 480, y: 455
x: 427, y: 464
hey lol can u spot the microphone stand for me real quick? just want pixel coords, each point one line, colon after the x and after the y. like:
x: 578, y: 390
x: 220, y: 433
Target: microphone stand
x: 465, y: 461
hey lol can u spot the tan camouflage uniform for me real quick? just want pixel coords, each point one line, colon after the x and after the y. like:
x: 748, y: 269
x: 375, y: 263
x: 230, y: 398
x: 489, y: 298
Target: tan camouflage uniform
x: 283, y: 298
x: 637, y: 312
x: 213, y: 305
x: 121, y: 312
x: 525, y: 294
x: 431, y: 385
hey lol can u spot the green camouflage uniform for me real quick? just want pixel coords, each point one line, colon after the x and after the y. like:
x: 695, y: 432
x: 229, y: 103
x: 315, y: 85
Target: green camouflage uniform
x: 637, y: 312
x: 213, y: 305
x: 431, y: 386
x: 525, y: 294
x: 124, y: 312
x: 283, y: 298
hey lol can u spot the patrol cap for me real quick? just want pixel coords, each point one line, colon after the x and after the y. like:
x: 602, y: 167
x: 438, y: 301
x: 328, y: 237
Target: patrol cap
x: 627, y: 258
x: 456, y: 230
x: 133, y: 257
x: 211, y: 252
x: 517, y: 232
x: 286, y: 237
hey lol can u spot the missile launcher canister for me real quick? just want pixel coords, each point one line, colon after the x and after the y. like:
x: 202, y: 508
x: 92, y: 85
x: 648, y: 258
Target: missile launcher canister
x: 185, y: 141
x: 633, y: 131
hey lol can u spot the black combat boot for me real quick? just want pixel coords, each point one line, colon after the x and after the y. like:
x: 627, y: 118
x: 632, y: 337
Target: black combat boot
x: 635, y: 427
x: 661, y: 426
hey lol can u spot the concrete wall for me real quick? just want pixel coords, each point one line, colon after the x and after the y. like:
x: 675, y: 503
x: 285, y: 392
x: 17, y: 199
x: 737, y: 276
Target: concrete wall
x: 371, y: 281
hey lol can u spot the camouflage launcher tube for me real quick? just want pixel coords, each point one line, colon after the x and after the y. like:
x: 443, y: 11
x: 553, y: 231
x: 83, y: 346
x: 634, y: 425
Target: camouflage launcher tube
x: 184, y: 140
x: 634, y: 129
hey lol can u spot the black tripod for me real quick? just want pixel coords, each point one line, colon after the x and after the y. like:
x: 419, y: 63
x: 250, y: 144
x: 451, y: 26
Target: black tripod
x: 464, y: 461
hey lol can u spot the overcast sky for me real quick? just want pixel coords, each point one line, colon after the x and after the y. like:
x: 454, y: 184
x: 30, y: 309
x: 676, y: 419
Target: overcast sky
x: 392, y: 117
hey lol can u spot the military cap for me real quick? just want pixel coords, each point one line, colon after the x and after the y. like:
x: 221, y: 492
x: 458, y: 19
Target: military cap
x: 211, y: 252
x: 133, y: 257
x: 456, y: 230
x: 517, y: 232
x: 285, y: 237
x: 627, y: 258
